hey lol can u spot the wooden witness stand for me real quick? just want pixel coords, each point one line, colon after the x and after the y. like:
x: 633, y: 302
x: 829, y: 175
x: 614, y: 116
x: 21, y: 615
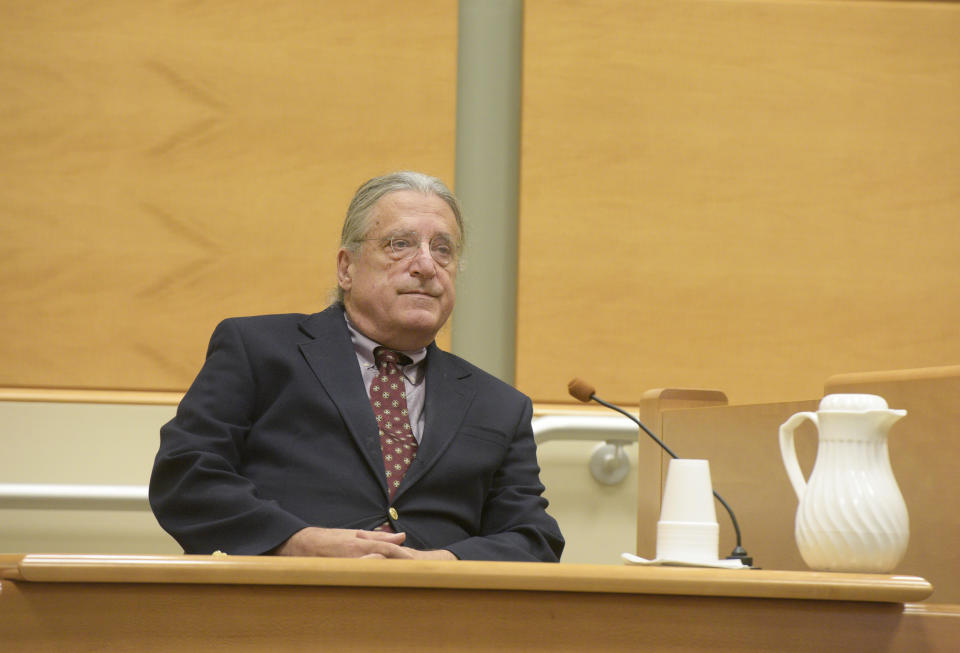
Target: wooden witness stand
x: 163, y: 603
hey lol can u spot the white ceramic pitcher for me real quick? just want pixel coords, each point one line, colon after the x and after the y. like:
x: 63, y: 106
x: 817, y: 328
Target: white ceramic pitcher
x: 852, y: 516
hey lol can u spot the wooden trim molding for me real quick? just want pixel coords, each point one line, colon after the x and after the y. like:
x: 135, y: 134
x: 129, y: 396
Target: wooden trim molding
x: 81, y: 396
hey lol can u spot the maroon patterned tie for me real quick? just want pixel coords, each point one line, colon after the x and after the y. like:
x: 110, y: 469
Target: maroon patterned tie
x: 388, y: 397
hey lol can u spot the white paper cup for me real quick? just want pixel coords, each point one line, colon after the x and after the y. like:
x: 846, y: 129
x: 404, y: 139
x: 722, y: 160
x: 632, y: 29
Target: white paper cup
x: 688, y: 492
x: 688, y: 529
x: 688, y: 541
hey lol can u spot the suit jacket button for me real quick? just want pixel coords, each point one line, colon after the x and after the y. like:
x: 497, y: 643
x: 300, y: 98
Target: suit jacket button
x: 393, y: 513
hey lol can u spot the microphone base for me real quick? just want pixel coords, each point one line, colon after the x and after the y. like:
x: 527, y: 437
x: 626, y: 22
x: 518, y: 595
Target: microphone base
x: 739, y: 553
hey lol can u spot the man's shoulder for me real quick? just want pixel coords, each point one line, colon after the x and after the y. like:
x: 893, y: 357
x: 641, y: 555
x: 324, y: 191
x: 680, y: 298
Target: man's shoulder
x: 267, y: 320
x: 280, y: 331
x: 280, y: 322
x: 255, y: 327
x: 483, y: 379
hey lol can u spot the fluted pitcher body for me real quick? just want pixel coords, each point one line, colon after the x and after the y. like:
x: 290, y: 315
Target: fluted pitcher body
x: 852, y: 516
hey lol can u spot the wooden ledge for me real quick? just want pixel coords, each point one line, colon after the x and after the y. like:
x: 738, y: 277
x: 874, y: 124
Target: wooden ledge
x: 893, y: 376
x: 254, y: 570
x: 81, y: 396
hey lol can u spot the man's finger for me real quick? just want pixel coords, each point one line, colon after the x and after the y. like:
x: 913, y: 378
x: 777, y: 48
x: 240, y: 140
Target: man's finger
x: 395, y: 551
x: 393, y: 538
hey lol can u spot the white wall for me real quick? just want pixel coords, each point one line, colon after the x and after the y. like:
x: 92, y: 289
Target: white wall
x: 599, y: 522
x: 102, y: 444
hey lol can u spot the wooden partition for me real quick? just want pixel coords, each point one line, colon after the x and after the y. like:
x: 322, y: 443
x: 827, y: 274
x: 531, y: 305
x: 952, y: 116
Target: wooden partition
x: 750, y: 195
x: 745, y: 466
x: 925, y: 455
x: 155, y: 603
x: 742, y: 445
x: 653, y: 405
x: 168, y: 164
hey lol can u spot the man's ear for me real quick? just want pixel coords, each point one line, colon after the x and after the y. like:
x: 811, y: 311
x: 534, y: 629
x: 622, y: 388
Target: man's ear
x: 344, y: 268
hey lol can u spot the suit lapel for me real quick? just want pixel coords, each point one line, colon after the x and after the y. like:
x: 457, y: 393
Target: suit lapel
x: 450, y: 392
x: 331, y: 357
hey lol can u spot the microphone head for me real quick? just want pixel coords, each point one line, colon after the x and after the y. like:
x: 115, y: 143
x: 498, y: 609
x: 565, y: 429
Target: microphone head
x: 581, y: 390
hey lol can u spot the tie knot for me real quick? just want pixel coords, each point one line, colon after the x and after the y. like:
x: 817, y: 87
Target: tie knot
x: 383, y: 355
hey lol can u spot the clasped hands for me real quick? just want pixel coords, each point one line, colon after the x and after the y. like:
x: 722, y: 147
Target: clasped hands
x: 349, y: 543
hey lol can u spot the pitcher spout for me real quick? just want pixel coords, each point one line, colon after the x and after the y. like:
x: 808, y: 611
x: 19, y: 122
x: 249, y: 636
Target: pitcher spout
x: 884, y: 419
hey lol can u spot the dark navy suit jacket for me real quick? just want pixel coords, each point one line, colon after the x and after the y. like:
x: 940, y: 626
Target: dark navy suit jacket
x: 277, y: 434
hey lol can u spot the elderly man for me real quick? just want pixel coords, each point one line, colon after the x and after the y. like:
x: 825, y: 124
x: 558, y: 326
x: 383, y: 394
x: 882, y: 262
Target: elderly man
x: 348, y: 432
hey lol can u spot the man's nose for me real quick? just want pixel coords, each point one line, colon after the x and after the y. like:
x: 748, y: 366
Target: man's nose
x: 422, y: 262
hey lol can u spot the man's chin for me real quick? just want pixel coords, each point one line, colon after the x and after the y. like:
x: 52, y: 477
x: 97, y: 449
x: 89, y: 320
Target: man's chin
x: 420, y: 303
x: 423, y: 321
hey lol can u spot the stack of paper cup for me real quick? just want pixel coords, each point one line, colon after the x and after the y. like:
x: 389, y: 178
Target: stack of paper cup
x: 688, y: 529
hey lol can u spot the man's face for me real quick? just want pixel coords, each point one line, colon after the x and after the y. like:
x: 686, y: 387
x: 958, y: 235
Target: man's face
x: 401, y: 302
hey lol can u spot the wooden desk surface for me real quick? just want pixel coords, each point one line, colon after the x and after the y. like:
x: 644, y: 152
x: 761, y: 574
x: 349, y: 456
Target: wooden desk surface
x: 253, y: 570
x: 154, y: 603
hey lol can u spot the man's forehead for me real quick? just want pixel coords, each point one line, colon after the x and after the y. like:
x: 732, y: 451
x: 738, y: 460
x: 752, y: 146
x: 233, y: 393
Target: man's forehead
x: 407, y: 210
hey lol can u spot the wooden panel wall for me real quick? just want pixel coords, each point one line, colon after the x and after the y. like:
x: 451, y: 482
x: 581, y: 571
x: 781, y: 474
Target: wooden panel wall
x: 168, y: 164
x: 745, y: 195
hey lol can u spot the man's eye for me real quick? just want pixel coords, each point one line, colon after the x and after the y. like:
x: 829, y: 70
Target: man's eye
x: 443, y: 248
x: 401, y: 243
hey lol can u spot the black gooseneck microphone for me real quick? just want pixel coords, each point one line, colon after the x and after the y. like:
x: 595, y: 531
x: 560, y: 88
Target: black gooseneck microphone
x: 583, y: 391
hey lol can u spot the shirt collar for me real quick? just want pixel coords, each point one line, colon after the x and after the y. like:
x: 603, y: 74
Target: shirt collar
x: 364, y: 346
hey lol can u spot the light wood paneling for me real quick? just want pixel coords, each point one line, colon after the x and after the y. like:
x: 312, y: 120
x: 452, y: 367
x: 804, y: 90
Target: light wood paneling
x: 169, y: 164
x: 750, y: 195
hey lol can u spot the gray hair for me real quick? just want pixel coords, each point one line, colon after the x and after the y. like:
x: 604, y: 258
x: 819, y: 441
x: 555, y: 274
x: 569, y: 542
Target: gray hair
x: 357, y: 221
x: 358, y: 213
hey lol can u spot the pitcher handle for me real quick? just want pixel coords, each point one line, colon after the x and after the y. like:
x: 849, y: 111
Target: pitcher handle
x: 788, y: 450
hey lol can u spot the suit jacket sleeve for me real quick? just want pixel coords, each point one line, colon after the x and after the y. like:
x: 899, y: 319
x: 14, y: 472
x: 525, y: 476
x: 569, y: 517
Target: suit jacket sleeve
x: 197, y: 490
x: 514, y: 524
x: 475, y: 485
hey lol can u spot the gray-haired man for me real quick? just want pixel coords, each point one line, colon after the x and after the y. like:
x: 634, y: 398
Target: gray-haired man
x: 348, y: 432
